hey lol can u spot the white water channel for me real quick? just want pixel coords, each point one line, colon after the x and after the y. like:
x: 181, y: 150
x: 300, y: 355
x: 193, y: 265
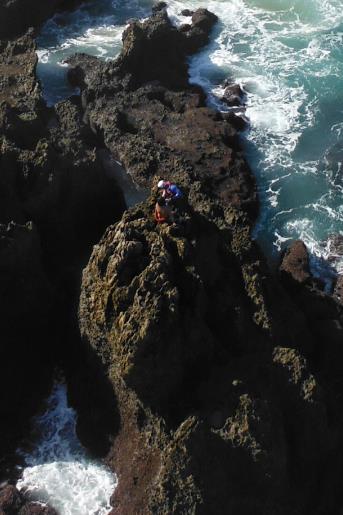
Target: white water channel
x: 58, y: 470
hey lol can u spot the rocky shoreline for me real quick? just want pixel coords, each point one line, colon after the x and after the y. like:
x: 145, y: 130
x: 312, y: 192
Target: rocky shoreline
x: 56, y: 201
x: 206, y: 382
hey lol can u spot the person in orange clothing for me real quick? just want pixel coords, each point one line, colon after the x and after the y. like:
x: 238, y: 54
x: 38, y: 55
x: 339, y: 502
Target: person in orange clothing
x: 163, y: 213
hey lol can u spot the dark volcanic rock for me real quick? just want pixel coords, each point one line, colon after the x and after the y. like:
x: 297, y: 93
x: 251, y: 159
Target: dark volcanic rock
x: 16, y: 16
x: 199, y: 376
x: 19, y: 88
x: 240, y: 123
x: 208, y: 358
x: 295, y: 263
x: 12, y: 502
x: 50, y: 171
x: 169, y: 312
x: 155, y: 129
x: 159, y: 6
x: 56, y: 199
x: 338, y: 291
x: 197, y: 34
x: 233, y: 95
x: 187, y: 12
x: 26, y: 318
x: 33, y: 508
x: 156, y: 50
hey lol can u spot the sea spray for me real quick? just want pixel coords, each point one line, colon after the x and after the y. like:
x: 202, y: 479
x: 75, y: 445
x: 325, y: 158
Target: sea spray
x: 58, y: 470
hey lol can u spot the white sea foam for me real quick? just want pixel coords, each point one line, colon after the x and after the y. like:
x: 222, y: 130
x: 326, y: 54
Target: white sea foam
x: 58, y: 470
x: 280, y: 50
x: 288, y: 56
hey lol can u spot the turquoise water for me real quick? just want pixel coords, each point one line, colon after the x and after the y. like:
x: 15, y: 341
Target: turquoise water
x: 288, y: 55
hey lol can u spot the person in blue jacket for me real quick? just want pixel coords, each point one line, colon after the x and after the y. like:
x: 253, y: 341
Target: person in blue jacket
x: 170, y: 192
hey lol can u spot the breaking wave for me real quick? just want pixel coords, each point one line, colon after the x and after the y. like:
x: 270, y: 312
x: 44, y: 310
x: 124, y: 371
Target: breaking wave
x: 57, y: 469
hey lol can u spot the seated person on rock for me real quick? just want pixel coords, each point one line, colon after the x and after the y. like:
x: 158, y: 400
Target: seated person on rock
x: 171, y: 193
x: 163, y: 213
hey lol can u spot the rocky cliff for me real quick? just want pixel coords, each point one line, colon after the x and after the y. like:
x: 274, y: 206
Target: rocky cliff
x: 56, y: 201
x: 221, y: 398
x: 208, y: 383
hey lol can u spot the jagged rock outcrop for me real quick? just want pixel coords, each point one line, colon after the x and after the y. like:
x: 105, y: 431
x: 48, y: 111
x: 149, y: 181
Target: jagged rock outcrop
x: 151, y: 125
x: 296, y: 263
x: 56, y: 199
x: 199, y: 384
x: 323, y: 313
x: 140, y: 60
x: 51, y: 172
x: 202, y: 379
x: 233, y: 95
x: 210, y: 362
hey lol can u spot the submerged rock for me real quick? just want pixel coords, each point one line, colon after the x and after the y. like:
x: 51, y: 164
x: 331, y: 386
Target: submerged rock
x: 331, y: 163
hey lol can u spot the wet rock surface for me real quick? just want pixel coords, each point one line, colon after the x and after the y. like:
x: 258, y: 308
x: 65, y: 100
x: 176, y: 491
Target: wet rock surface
x: 331, y: 163
x: 12, y: 502
x: 233, y: 95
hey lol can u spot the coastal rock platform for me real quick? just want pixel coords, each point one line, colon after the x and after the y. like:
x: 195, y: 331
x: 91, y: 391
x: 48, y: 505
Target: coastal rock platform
x: 207, y: 382
x: 211, y: 361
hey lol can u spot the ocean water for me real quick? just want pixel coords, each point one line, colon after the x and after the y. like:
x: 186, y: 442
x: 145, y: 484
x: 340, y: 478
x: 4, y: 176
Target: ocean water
x: 57, y: 469
x: 288, y: 56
